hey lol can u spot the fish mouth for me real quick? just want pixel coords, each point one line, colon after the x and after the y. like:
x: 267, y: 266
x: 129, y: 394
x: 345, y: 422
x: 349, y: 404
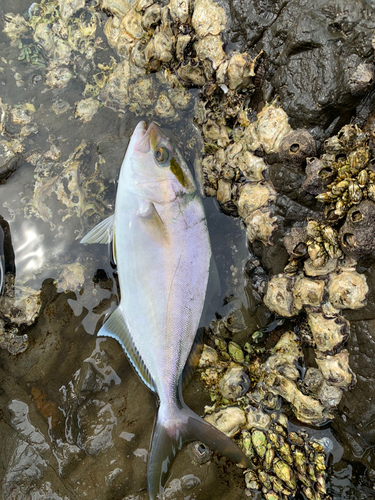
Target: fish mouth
x: 149, y: 138
x: 138, y: 133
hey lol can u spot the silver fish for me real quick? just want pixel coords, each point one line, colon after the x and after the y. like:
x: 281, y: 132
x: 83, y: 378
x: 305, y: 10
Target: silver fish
x: 162, y: 250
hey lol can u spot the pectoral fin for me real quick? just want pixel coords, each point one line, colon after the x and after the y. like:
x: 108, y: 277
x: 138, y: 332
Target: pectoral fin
x: 153, y: 225
x: 102, y: 233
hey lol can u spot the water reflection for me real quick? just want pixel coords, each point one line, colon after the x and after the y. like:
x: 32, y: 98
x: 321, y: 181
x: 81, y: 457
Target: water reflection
x: 30, y: 254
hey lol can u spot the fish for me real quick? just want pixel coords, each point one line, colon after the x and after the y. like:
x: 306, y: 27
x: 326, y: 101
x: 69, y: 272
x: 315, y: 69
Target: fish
x: 162, y: 250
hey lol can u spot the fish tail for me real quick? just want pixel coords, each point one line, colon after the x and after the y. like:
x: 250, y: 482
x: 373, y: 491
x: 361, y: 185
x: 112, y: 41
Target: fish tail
x: 172, y: 432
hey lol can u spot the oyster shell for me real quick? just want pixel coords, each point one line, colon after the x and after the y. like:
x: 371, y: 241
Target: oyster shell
x: 71, y: 278
x: 329, y: 332
x: 239, y: 71
x: 362, y: 79
x: 216, y: 132
x: 257, y: 419
x: 251, y: 166
x: 180, y: 10
x: 228, y: 420
x: 192, y: 75
x: 224, y: 191
x: 209, y: 357
x: 336, y: 369
x: 86, y: 109
x: 235, y: 382
x: 151, y: 16
x: 279, y: 296
x: 23, y: 307
x: 307, y: 292
x: 327, y: 268
x: 268, y: 131
x: 261, y: 225
x: 254, y: 195
x: 208, y: 18
x: 348, y: 290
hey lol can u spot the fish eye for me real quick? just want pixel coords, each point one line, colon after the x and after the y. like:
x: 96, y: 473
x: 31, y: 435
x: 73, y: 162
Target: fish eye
x: 161, y: 155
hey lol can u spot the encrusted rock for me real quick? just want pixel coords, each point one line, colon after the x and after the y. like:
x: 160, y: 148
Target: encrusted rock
x: 296, y: 147
x: 318, y: 176
x: 199, y: 453
x: 357, y: 235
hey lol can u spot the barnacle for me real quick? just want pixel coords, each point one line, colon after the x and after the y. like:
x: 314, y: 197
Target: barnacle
x: 346, y: 164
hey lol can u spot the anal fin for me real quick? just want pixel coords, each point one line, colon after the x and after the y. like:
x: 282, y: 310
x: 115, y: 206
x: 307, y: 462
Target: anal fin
x: 116, y: 327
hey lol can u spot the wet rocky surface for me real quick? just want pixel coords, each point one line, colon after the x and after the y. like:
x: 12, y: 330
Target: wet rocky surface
x: 76, y: 422
x: 314, y: 56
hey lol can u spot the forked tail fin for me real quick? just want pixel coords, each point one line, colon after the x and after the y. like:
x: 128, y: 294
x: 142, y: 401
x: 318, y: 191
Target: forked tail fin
x: 171, y: 432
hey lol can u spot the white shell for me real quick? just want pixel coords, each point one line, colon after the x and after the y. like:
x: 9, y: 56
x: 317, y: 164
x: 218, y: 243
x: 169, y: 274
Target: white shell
x: 336, y: 369
x: 254, y: 195
x: 228, y: 420
x: 208, y: 18
x: 348, y: 290
x: 279, y: 296
x: 328, y: 333
x: 307, y: 292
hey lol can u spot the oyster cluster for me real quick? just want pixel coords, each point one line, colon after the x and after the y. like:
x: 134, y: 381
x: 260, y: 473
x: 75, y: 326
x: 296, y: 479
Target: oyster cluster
x: 344, y: 179
x: 233, y: 167
x: 164, y: 50
x: 288, y: 461
x: 55, y: 35
x: 321, y: 297
x: 245, y: 391
x: 320, y: 279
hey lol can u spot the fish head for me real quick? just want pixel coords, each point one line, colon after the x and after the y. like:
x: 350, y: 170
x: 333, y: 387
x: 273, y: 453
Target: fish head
x: 156, y: 170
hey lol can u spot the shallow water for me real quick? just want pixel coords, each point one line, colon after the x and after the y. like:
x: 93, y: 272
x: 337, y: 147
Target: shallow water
x: 75, y: 420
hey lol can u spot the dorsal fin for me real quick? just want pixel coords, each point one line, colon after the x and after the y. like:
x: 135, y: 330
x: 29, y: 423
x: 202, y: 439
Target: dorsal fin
x: 102, y: 233
x: 116, y: 327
